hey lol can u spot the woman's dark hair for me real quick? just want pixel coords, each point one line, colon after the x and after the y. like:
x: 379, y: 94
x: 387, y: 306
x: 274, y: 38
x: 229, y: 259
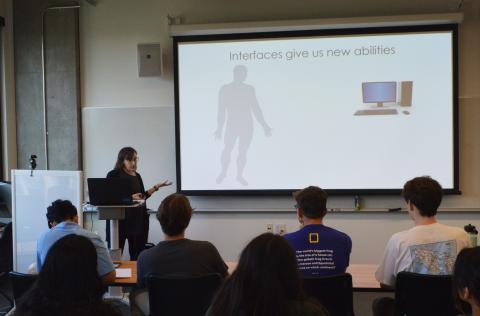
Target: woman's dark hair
x: 174, y: 214
x: 467, y: 274
x: 126, y: 153
x: 68, y: 283
x: 265, y: 279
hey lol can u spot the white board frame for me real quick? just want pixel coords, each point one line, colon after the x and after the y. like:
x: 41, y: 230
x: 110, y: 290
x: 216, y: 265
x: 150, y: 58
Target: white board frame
x: 31, y: 195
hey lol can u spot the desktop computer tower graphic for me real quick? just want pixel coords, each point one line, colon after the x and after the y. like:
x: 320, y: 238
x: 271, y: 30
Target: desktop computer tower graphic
x: 404, y: 93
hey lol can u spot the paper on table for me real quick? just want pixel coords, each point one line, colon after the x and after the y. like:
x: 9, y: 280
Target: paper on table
x: 123, y: 273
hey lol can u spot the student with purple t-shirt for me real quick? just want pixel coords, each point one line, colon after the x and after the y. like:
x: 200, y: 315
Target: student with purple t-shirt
x: 320, y: 250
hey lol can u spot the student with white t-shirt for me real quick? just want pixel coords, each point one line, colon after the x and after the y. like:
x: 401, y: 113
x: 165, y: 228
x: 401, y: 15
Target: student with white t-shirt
x: 429, y: 247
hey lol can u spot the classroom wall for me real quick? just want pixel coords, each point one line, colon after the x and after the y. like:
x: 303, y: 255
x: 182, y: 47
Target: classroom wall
x: 58, y: 129
x: 110, y: 32
x: 9, y: 132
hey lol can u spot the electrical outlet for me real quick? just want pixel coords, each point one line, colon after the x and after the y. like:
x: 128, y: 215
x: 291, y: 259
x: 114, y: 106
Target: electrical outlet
x: 269, y: 228
x: 280, y: 229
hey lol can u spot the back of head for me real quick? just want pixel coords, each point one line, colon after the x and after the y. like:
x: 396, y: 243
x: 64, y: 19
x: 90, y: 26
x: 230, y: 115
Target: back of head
x: 174, y: 214
x: 265, y: 279
x: 61, y: 210
x: 466, y: 274
x: 71, y: 268
x: 69, y: 279
x: 312, y: 201
x: 425, y: 193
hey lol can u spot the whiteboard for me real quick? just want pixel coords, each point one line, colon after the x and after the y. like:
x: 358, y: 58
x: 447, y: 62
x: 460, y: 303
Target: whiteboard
x: 150, y: 130
x: 31, y: 195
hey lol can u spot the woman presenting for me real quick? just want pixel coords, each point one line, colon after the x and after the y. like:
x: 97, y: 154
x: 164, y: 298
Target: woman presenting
x: 135, y: 225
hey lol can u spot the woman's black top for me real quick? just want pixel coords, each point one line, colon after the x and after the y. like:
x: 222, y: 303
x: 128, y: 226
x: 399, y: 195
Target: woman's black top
x: 135, y: 217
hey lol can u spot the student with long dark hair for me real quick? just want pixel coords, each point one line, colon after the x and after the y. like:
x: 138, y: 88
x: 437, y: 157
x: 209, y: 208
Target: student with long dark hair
x: 68, y: 283
x: 266, y: 282
x: 136, y: 223
x: 466, y: 279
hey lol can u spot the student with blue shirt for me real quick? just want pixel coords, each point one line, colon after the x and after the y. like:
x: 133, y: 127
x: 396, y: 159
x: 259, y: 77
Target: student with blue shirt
x: 320, y: 250
x: 63, y: 220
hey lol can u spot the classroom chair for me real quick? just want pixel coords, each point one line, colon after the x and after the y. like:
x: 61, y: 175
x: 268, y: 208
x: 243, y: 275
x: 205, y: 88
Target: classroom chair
x: 6, y: 260
x: 173, y: 296
x: 334, y: 292
x: 422, y: 294
x: 21, y: 283
x: 6, y: 249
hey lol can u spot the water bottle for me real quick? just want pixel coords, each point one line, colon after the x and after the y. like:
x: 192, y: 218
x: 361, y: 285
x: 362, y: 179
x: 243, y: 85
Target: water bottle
x: 472, y: 234
x: 356, y: 203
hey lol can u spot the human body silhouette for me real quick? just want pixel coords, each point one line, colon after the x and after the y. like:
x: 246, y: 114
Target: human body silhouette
x: 236, y: 104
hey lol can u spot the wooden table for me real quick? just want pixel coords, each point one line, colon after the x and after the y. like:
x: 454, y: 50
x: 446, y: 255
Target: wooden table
x: 131, y: 281
x: 363, y: 276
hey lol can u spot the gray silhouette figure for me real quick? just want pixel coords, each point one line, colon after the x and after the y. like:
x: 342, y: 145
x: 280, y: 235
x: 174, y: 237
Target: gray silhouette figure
x: 237, y: 102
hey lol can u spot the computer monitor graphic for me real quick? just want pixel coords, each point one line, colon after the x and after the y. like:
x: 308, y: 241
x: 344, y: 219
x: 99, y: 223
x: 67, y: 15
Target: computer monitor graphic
x: 379, y: 92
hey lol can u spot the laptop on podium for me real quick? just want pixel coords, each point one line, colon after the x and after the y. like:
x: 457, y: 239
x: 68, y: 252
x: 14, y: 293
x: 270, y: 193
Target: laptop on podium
x: 110, y: 191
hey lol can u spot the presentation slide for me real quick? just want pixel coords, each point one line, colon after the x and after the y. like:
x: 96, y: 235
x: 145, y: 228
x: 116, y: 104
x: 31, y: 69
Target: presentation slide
x: 343, y: 112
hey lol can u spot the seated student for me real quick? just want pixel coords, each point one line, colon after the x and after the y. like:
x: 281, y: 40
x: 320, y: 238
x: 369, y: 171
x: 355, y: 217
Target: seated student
x: 266, y: 282
x: 466, y: 278
x: 68, y: 283
x: 176, y: 255
x: 320, y: 250
x: 63, y: 220
x: 429, y: 247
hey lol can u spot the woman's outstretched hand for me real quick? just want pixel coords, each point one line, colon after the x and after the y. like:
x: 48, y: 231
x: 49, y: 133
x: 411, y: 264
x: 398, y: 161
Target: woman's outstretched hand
x: 162, y: 184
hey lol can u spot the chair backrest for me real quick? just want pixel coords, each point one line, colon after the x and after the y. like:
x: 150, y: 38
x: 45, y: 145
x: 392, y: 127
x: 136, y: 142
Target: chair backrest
x: 181, y: 295
x: 422, y: 294
x: 5, y: 199
x: 334, y: 292
x: 21, y: 283
x: 6, y: 249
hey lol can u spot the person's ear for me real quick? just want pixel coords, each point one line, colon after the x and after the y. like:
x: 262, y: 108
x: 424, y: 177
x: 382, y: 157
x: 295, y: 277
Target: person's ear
x: 75, y: 218
x: 464, y: 294
x: 300, y: 215
x: 410, y: 206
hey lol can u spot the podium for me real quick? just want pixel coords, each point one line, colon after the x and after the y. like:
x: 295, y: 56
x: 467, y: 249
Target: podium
x: 114, y: 213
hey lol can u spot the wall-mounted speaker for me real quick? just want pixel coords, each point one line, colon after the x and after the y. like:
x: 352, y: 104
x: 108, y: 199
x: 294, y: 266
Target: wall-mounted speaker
x: 149, y: 60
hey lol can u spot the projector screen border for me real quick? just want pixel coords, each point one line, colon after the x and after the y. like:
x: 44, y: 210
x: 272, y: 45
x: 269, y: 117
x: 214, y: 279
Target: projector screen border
x: 452, y: 27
